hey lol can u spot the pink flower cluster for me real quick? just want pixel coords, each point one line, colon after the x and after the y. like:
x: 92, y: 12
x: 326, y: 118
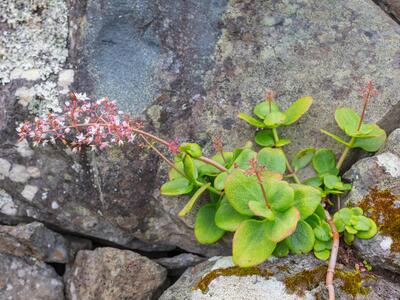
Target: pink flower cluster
x: 97, y: 124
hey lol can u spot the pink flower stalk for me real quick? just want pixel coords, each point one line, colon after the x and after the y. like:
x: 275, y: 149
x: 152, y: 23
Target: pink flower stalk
x: 95, y: 124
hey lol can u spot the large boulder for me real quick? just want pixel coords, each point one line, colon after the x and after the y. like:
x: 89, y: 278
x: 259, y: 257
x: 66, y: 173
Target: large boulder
x: 26, y: 278
x: 191, y: 66
x: 109, y: 273
x: 291, y: 278
x: 376, y: 189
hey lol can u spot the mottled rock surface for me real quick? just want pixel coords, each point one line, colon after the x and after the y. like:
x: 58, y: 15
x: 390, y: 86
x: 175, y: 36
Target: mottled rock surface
x: 109, y: 273
x: 291, y: 278
x: 179, y: 263
x: 391, y: 7
x: 376, y: 187
x: 25, y: 278
x: 35, y: 240
x: 191, y: 66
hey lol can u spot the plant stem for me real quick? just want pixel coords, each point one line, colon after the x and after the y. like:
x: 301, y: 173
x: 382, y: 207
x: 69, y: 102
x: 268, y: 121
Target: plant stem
x: 344, y: 154
x: 288, y: 166
x: 332, y: 259
x: 263, y: 189
x: 212, y: 163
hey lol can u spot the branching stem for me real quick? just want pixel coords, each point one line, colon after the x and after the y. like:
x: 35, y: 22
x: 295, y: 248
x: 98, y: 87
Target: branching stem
x: 332, y: 259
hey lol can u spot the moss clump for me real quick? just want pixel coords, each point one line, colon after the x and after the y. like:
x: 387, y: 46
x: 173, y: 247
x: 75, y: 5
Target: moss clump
x: 305, y: 280
x: 380, y: 206
x: 231, y: 271
x: 353, y: 282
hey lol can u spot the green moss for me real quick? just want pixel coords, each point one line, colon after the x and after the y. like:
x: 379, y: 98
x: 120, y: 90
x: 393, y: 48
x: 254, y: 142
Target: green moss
x: 353, y: 282
x: 380, y: 206
x: 231, y: 271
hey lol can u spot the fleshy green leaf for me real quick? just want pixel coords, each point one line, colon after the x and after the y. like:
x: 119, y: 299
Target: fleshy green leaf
x: 242, y: 161
x: 206, y: 169
x: 322, y: 255
x: 188, y: 207
x: 179, y: 186
x: 302, y: 240
x: 324, y: 162
x: 194, y: 150
x: 306, y: 199
x: 205, y: 229
x: 323, y: 232
x: 264, y: 138
x: 320, y: 212
x: 281, y: 249
x: 280, y: 194
x: 219, y: 181
x: 357, y: 211
x: 350, y: 229
x: 348, y: 237
x: 240, y: 189
x: 320, y: 245
x: 343, y: 214
x: 273, y: 159
x: 173, y: 173
x: 227, y: 217
x: 370, y: 144
x: 314, y: 220
x: 261, y: 210
x: 284, y: 225
x: 331, y: 181
x: 282, y: 142
x: 251, y: 120
x: 190, y: 168
x: 274, y: 119
x: 262, y: 109
x: 370, y: 233
x: 347, y: 119
x: 297, y: 109
x: 251, y: 245
x: 335, y: 137
x: 313, y: 181
x: 362, y: 223
x: 302, y: 158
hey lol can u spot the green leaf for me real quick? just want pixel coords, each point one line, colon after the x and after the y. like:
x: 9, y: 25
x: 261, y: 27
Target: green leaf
x: 262, y: 109
x: 302, y: 158
x: 340, y: 225
x: 320, y: 211
x: 357, y: 211
x: 350, y: 229
x: 370, y: 144
x: 205, y: 229
x: 260, y: 209
x: 190, y: 168
x: 251, y: 245
x: 179, y: 186
x: 227, y: 217
x: 188, y: 207
x: 280, y: 194
x: 274, y: 119
x: 348, y: 237
x: 242, y: 161
x: 297, y: 109
x: 173, y: 173
x: 369, y: 130
x: 284, y: 225
x: 343, y: 214
x: 313, y: 181
x: 282, y: 142
x: 347, y: 119
x: 192, y: 149
x: 362, y: 223
x: 324, y: 162
x: 323, y: 232
x: 251, y: 120
x: 322, y: 255
x: 331, y: 181
x: 306, y: 199
x: 219, y: 181
x: 314, y: 220
x: 265, y: 138
x: 320, y: 245
x: 273, y: 159
x: 206, y: 169
x: 281, y: 250
x: 335, y: 137
x: 370, y: 233
x: 240, y: 189
x: 302, y: 240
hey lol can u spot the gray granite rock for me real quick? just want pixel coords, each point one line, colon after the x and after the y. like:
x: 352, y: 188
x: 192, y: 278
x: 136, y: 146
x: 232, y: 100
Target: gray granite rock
x: 304, y: 274
x: 109, y: 273
x: 376, y: 186
x: 25, y: 278
x: 35, y: 240
x: 391, y: 7
x: 176, y: 265
x: 192, y: 66
x: 392, y: 143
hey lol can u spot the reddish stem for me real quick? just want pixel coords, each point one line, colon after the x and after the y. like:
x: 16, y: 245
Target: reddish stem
x: 333, y: 257
x: 213, y: 163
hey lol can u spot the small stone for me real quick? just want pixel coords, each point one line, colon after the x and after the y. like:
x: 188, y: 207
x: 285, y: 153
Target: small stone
x: 29, y: 192
x: 5, y: 166
x: 23, y: 149
x: 19, y: 173
x: 7, y: 205
x: 33, y: 172
x: 24, y: 95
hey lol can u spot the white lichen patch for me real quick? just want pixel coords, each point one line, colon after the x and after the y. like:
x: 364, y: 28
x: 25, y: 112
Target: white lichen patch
x: 34, y: 42
x: 390, y: 162
x: 386, y: 243
x: 7, y: 205
x: 247, y: 287
x: 5, y: 166
x: 29, y: 192
x: 65, y: 78
x: 44, y: 98
x: 33, y: 172
x: 19, y: 173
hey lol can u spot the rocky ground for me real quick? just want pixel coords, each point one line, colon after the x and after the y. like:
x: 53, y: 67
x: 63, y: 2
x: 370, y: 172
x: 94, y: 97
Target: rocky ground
x: 94, y: 226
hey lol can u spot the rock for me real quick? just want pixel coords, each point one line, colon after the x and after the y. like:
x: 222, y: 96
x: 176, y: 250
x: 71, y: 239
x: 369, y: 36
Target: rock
x: 290, y: 278
x: 35, y: 240
x: 25, y: 278
x: 191, y: 66
x: 392, y: 144
x: 179, y: 263
x: 109, y: 273
x: 376, y: 186
x: 391, y: 7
